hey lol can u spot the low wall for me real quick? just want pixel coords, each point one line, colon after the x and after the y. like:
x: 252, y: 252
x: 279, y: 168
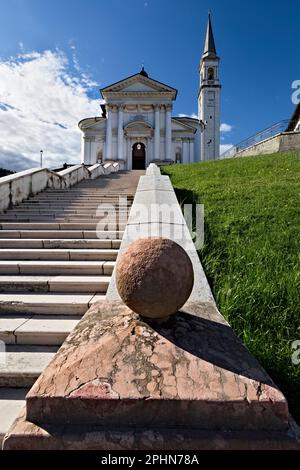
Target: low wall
x: 20, y: 186
x: 96, y: 171
x: 156, y: 212
x: 74, y: 175
x: 289, y: 141
x: 284, y: 142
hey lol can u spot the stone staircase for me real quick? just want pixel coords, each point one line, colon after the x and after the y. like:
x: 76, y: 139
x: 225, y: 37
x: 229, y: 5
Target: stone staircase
x: 53, y: 267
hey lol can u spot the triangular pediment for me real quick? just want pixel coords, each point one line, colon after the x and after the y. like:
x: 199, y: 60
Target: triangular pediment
x: 138, y: 84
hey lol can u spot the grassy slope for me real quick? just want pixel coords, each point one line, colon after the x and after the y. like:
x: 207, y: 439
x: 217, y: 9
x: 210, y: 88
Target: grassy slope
x: 252, y: 252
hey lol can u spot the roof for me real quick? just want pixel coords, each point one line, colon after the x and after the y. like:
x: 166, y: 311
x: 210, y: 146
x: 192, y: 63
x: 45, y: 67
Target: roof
x: 209, y: 44
x: 143, y: 77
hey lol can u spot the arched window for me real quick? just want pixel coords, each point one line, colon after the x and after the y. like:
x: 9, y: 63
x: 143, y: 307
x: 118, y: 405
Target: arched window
x: 210, y: 73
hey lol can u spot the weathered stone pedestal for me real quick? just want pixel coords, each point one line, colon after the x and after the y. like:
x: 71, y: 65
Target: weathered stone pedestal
x: 185, y: 383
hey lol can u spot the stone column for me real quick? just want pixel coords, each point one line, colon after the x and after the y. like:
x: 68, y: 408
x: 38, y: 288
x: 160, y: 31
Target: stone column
x: 120, y: 133
x: 157, y: 133
x: 93, y: 150
x: 168, y: 132
x: 191, y: 151
x: 108, y: 139
x: 86, y: 150
x: 185, y: 156
x: 129, y: 163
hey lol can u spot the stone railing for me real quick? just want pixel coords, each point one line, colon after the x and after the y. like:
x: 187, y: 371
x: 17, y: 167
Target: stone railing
x: 19, y: 186
x: 156, y: 212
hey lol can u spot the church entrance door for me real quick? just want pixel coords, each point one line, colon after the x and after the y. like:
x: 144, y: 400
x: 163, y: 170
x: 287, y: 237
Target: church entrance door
x: 138, y: 156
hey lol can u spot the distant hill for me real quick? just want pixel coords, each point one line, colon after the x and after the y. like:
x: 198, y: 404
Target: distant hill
x: 4, y: 172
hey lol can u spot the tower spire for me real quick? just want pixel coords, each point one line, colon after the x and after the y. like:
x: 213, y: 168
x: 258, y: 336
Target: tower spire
x: 209, y: 98
x: 209, y: 45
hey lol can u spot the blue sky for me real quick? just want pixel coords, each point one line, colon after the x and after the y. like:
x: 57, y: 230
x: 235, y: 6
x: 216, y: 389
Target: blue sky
x: 98, y: 42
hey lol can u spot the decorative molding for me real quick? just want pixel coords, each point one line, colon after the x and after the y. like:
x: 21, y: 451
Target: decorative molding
x: 139, y: 117
x: 137, y: 78
x: 140, y: 94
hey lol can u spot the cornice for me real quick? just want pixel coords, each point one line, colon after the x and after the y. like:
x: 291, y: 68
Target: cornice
x: 139, y: 94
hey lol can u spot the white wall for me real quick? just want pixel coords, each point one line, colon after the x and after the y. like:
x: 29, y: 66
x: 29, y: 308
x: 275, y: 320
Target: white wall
x: 94, y: 135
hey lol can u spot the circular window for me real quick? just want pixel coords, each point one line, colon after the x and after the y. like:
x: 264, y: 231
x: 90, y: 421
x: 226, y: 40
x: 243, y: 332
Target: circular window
x: 139, y: 146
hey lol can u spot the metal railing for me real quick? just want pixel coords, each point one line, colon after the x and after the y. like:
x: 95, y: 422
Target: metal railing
x: 286, y: 125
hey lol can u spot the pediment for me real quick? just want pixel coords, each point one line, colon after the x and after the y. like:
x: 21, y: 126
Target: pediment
x: 180, y: 126
x: 138, y: 128
x: 138, y: 84
x: 96, y: 123
x: 138, y: 124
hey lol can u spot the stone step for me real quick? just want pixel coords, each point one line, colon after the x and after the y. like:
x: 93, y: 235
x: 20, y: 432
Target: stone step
x: 21, y: 365
x: 88, y: 234
x: 66, y: 206
x: 81, y: 189
x: 82, y: 200
x: 61, y: 205
x: 85, y: 191
x: 62, y: 224
x: 65, y: 222
x: 74, y: 244
x: 58, y: 254
x: 54, y: 213
x: 20, y: 283
x: 79, y: 199
x: 47, y: 303
x: 56, y: 260
x: 73, y: 203
x: 83, y: 268
x: 48, y: 330
x: 11, y: 402
x: 73, y: 194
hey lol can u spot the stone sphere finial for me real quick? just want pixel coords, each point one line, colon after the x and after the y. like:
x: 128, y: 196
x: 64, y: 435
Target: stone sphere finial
x: 154, y: 277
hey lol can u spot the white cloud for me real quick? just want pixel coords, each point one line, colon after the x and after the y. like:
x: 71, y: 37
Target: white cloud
x: 225, y: 127
x: 193, y: 115
x: 41, y: 103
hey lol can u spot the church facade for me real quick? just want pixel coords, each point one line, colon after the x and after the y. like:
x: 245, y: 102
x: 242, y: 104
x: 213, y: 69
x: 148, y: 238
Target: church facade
x: 137, y: 127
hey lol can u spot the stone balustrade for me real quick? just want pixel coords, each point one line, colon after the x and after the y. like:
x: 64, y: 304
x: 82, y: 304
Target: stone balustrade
x: 156, y: 212
x: 20, y: 186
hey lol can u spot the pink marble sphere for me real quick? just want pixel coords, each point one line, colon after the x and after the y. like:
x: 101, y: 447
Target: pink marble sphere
x: 154, y: 277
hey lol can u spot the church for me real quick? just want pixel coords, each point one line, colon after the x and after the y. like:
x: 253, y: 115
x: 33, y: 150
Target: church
x: 137, y: 127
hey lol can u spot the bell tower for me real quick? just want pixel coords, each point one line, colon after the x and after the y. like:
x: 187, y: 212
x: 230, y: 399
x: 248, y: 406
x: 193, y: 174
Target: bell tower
x: 209, y: 98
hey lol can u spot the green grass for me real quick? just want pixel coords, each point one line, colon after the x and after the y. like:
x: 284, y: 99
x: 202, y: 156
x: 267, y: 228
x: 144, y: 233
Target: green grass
x: 251, y: 253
